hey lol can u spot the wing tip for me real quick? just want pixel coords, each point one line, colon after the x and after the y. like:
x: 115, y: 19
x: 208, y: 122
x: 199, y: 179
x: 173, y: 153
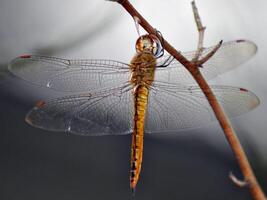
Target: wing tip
x: 25, y: 56
x: 13, y: 65
x: 240, y: 40
x: 256, y: 100
x: 243, y: 90
x: 253, y: 44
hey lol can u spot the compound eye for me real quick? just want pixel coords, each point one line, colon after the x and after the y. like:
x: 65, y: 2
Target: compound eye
x: 149, y: 43
x: 157, y: 47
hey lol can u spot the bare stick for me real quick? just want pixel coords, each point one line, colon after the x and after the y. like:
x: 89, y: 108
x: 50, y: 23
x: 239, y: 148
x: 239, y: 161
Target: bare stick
x: 230, y: 135
x: 201, y: 31
x: 207, y: 56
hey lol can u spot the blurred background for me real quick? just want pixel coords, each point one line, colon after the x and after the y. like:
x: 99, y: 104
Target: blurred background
x: 36, y: 164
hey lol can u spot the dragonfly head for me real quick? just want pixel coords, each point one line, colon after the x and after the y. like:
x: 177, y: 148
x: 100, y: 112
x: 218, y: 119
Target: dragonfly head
x: 149, y: 43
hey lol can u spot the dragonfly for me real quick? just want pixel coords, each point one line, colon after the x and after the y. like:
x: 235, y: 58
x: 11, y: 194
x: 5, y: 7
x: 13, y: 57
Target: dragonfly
x: 145, y: 96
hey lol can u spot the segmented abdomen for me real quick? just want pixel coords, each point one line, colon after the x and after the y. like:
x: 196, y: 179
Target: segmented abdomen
x: 140, y: 99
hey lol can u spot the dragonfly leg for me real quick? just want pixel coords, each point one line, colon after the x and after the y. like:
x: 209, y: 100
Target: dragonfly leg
x: 137, y: 22
x: 159, y: 35
x: 167, y: 62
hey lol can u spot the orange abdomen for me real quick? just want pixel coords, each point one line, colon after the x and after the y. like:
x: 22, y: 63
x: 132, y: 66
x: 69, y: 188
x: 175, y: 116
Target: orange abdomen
x: 141, y: 98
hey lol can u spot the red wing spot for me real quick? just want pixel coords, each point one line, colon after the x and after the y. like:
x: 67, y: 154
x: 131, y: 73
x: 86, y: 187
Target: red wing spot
x: 238, y: 41
x: 25, y: 56
x: 243, y: 90
x: 40, y: 104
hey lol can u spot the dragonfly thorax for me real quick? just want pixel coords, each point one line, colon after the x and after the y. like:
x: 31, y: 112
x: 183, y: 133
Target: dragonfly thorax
x: 143, y: 69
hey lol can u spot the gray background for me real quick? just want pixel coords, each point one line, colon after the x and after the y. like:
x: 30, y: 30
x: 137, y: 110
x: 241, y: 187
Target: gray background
x: 37, y: 164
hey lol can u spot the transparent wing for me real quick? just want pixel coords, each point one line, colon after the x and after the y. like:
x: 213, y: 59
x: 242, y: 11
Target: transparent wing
x: 107, y: 112
x: 229, y: 56
x: 111, y: 111
x: 70, y: 75
x: 172, y: 108
x: 84, y: 75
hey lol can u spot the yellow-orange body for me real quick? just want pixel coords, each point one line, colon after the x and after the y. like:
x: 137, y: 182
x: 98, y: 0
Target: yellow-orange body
x: 143, y: 70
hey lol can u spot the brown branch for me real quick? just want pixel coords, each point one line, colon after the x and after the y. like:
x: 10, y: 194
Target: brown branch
x: 230, y: 135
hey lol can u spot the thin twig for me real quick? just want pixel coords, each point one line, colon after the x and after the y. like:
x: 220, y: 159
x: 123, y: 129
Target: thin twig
x: 201, y: 31
x: 230, y: 135
x: 208, y: 55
